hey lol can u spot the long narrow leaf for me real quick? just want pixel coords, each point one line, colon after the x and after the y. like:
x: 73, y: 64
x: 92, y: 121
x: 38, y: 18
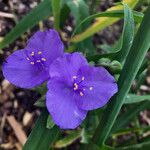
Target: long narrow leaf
x: 126, y: 117
x: 69, y: 139
x: 133, y: 62
x: 138, y: 16
x: 140, y: 146
x: 56, y: 13
x: 41, y: 138
x: 133, y: 98
x: 42, y: 11
x: 102, y: 23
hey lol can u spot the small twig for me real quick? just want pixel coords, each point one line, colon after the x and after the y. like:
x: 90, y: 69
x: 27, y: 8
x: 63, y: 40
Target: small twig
x: 20, y: 134
x: 6, y: 15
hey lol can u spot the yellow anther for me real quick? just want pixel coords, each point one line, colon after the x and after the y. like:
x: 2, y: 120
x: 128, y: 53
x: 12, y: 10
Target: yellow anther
x: 27, y: 58
x: 75, y: 86
x: 39, y: 52
x: 91, y: 88
x: 38, y: 61
x: 32, y: 63
x: 81, y: 94
x: 43, y: 59
x: 83, y: 78
x: 74, y: 77
x: 32, y: 54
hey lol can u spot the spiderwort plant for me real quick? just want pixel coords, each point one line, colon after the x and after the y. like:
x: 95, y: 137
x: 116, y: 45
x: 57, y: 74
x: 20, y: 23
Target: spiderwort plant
x: 75, y: 87
x: 29, y: 67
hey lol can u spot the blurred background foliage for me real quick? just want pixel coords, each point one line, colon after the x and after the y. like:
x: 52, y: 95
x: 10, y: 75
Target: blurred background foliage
x: 114, y: 34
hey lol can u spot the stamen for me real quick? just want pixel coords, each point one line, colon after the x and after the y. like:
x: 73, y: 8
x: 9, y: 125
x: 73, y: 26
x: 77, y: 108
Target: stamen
x: 27, y: 58
x: 75, y: 86
x: 38, y: 61
x: 32, y: 63
x: 43, y: 59
x: 83, y: 89
x: 39, y: 52
x: 32, y: 54
x: 91, y: 88
x: 74, y: 77
x: 81, y: 94
x: 83, y: 78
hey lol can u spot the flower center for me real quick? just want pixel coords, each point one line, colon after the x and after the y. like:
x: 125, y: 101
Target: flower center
x: 36, y: 58
x: 79, y: 85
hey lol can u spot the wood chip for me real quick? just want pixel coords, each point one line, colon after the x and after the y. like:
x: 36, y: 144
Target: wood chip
x: 20, y: 134
x: 27, y: 118
x: 18, y: 146
x: 6, y: 15
x: 7, y: 146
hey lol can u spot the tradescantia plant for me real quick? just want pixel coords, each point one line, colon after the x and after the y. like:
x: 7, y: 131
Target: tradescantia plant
x: 78, y: 82
x: 74, y: 87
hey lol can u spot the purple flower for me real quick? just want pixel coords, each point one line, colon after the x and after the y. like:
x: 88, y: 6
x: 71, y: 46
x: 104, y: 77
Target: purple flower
x: 74, y: 88
x: 28, y: 67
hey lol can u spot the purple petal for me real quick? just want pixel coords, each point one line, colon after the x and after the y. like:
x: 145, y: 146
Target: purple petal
x: 61, y: 105
x: 68, y: 65
x: 47, y: 42
x: 19, y: 71
x: 99, y: 86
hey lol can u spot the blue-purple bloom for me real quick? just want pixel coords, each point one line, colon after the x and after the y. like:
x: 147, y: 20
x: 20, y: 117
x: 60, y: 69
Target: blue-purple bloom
x: 76, y: 87
x: 29, y: 67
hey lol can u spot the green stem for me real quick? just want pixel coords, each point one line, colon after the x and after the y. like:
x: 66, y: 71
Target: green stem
x: 41, y: 138
x: 56, y: 13
x: 133, y: 62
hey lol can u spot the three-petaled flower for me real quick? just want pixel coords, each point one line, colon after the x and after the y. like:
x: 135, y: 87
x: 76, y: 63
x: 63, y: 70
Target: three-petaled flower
x: 76, y: 87
x: 29, y: 67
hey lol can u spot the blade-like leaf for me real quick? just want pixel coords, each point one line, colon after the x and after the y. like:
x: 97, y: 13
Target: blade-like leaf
x: 79, y: 9
x: 138, y: 16
x: 102, y: 23
x: 131, y: 130
x: 133, y: 98
x: 140, y: 146
x: 126, y: 117
x: 42, y: 11
x: 127, y: 36
x: 69, y: 139
x: 50, y: 124
x: 123, y: 46
x: 133, y: 62
x: 41, y: 138
x: 40, y: 102
x: 56, y: 13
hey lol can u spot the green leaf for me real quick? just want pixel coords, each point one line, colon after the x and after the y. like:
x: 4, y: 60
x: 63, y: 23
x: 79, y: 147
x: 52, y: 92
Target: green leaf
x: 138, y: 16
x: 42, y: 89
x: 131, y: 130
x: 42, y: 11
x: 102, y: 23
x: 41, y: 138
x: 140, y: 46
x: 50, y: 123
x: 133, y: 98
x: 79, y: 9
x: 56, y: 13
x: 40, y: 102
x: 127, y: 36
x: 140, y: 146
x: 122, y: 48
x: 69, y: 139
x: 127, y: 116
